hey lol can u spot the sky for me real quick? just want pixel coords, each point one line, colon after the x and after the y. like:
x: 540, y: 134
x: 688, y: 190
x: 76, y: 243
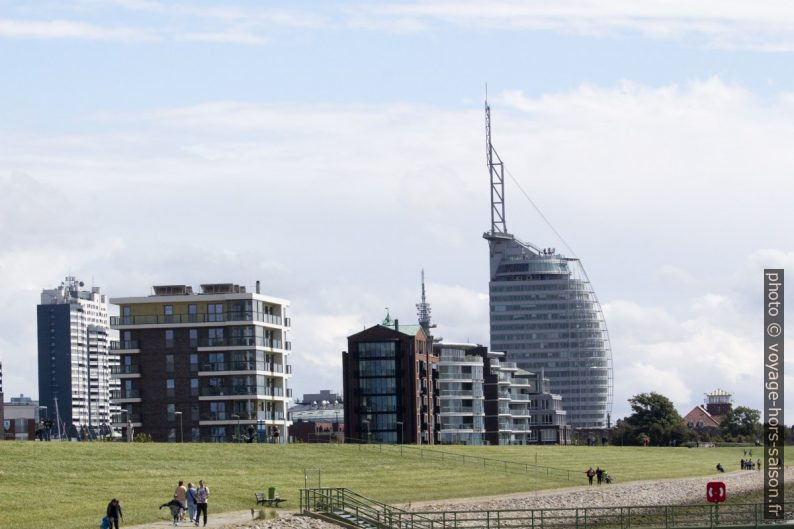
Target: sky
x: 332, y: 150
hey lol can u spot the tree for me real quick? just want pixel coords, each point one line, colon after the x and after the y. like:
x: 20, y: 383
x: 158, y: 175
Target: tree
x: 655, y: 416
x: 742, y: 420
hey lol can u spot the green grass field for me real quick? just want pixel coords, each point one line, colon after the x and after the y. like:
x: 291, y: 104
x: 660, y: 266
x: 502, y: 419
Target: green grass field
x: 68, y: 485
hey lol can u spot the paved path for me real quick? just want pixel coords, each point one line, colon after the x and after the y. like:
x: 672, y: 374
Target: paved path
x: 213, y: 520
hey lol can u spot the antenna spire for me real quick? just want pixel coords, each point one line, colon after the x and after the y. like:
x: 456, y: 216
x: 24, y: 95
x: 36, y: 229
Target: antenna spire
x: 423, y: 309
x: 496, y: 169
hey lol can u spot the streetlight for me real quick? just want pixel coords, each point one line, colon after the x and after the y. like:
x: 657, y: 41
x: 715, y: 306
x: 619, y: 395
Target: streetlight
x: 181, y: 432
x: 235, y: 416
x: 400, y: 430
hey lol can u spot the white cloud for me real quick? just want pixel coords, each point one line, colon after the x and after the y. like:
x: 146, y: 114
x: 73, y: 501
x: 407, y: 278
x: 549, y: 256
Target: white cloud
x: 763, y: 26
x: 226, y: 36
x: 68, y: 29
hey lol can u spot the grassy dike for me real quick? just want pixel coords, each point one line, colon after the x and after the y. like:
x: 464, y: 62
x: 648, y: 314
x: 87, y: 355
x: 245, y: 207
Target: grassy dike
x: 68, y: 485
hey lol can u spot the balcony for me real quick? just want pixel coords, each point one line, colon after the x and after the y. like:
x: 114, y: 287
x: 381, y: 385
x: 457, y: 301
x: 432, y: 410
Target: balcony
x: 240, y: 341
x: 234, y: 416
x: 188, y: 319
x: 119, y: 395
x: 457, y: 409
x: 121, y: 370
x: 122, y: 418
x: 242, y: 366
x: 231, y: 391
x: 124, y: 345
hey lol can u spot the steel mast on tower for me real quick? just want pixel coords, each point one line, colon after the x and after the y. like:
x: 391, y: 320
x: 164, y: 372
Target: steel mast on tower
x: 497, y: 171
x: 423, y: 309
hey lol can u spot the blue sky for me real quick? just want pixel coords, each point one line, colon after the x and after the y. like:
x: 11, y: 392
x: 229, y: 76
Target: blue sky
x: 146, y: 142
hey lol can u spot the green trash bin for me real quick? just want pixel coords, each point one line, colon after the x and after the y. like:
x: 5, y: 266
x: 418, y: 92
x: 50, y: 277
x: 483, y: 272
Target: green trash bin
x: 271, y: 493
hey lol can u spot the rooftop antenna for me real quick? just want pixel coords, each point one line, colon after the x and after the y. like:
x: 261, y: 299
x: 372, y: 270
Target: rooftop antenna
x: 423, y: 309
x: 496, y: 170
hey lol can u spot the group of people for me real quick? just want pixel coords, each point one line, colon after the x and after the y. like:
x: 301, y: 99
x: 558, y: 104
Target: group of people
x: 189, y: 500
x: 748, y: 464
x: 600, y: 475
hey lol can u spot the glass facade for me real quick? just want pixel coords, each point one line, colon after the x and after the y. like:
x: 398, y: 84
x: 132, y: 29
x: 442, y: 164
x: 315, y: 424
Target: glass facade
x: 461, y: 394
x: 545, y: 316
x: 377, y: 390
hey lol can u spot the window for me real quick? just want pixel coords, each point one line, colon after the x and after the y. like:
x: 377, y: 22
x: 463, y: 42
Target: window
x: 169, y: 363
x: 169, y: 338
x: 193, y: 337
x: 195, y: 434
x: 218, y: 434
x: 215, y: 312
x: 215, y: 336
x: 194, y: 412
x: 217, y: 411
x: 192, y: 312
x: 170, y: 409
x: 172, y: 435
x: 194, y: 387
x: 193, y: 362
x: 168, y: 313
x: 169, y: 388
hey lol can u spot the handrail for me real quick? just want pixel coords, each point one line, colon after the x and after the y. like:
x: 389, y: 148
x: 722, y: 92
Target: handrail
x: 335, y: 501
x: 452, y: 457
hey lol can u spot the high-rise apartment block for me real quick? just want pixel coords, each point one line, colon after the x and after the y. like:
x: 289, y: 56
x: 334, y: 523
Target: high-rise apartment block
x: 461, y: 392
x: 519, y: 406
x: 485, y: 400
x: 391, y: 385
x: 207, y: 366
x: 75, y: 360
x: 545, y: 314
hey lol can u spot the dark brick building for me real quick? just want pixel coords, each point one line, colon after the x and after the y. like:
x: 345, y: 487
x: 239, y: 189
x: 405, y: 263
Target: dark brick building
x: 210, y: 366
x: 391, y: 385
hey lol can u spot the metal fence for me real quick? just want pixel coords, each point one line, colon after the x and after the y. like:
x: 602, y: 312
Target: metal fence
x: 433, y: 454
x: 334, y: 501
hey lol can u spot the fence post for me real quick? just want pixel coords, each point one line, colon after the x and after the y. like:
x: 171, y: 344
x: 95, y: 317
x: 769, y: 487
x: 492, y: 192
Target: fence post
x: 487, y: 519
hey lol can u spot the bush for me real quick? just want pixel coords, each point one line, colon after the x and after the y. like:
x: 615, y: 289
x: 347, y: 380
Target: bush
x: 143, y: 438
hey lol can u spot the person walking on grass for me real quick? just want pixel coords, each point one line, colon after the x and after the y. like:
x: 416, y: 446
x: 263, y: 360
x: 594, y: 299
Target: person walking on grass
x: 180, y: 495
x: 599, y: 475
x: 191, y: 502
x: 114, y: 512
x: 590, y: 473
x: 202, y: 495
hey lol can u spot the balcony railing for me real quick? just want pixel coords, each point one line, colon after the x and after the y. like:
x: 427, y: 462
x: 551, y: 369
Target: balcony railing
x: 207, y: 317
x: 125, y: 369
x: 124, y: 344
x: 220, y: 391
x: 125, y: 394
x: 124, y: 417
x: 242, y: 416
x: 240, y: 341
x: 243, y: 365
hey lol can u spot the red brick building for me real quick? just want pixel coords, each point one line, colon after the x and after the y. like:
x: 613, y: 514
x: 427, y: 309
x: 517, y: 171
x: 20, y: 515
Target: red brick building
x: 391, y: 385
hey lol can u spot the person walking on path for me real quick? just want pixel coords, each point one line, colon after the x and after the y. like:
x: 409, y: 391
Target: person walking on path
x: 191, y: 502
x: 590, y: 473
x: 114, y: 512
x: 202, y: 495
x: 180, y: 495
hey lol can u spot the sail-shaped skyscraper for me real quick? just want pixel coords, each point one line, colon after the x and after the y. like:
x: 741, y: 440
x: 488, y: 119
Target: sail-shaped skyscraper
x: 545, y: 315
